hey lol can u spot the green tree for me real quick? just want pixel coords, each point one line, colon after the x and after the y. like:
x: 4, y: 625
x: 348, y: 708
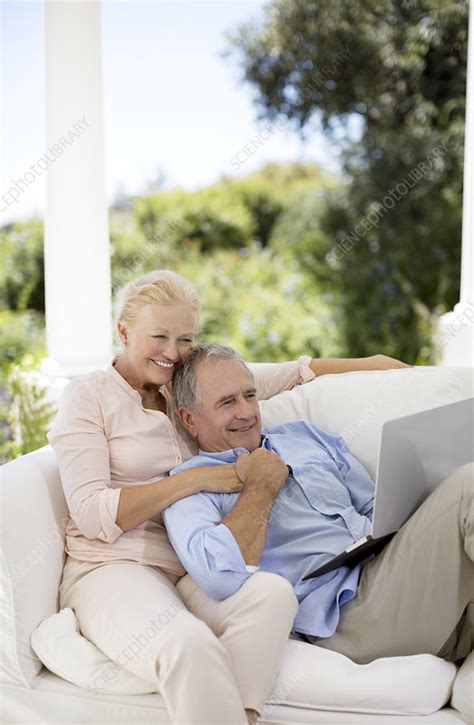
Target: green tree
x: 160, y: 229
x: 266, y: 193
x: 400, y: 66
x: 261, y: 304
x: 208, y: 218
x: 22, y: 266
x: 20, y: 333
x: 30, y: 414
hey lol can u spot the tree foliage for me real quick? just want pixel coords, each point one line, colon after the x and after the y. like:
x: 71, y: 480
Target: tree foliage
x: 31, y: 413
x: 22, y: 266
x: 261, y: 304
x: 252, y: 297
x: 226, y: 215
x: 401, y: 68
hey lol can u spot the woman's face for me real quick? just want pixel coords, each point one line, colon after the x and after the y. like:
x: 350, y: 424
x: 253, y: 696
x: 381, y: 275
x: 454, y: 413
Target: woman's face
x: 160, y: 336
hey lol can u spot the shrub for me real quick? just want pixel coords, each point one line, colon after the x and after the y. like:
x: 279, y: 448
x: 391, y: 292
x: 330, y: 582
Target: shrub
x: 30, y: 414
x: 20, y: 333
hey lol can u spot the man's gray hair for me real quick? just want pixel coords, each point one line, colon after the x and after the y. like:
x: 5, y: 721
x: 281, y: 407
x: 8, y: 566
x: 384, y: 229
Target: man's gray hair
x: 186, y: 393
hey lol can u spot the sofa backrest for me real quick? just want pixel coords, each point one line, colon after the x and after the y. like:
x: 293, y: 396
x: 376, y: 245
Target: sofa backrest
x: 356, y: 405
x: 466, y: 381
x: 34, y: 517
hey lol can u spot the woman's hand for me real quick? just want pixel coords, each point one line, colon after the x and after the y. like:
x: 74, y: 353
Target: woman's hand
x: 229, y: 482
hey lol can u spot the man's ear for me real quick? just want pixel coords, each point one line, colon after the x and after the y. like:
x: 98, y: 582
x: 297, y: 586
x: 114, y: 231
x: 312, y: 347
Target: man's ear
x: 188, y: 419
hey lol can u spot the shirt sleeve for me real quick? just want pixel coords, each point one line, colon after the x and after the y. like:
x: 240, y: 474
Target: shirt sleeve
x: 206, y: 548
x: 79, y: 442
x: 274, y: 378
x: 356, y: 478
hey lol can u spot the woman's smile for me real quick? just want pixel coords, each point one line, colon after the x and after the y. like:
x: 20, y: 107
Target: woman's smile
x: 162, y: 364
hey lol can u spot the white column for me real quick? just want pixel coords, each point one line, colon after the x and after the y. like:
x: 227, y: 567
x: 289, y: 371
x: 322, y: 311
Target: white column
x: 456, y: 327
x: 77, y: 256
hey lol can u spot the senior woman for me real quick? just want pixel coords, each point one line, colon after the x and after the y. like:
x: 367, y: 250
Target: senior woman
x: 116, y: 438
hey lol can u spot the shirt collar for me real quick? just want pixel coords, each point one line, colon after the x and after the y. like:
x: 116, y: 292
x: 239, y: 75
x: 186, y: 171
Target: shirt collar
x: 232, y: 453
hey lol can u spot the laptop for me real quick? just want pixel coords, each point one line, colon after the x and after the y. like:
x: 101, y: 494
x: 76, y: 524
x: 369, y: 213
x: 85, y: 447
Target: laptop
x: 416, y: 454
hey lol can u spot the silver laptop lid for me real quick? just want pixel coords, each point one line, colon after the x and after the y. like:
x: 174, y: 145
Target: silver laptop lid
x: 417, y: 453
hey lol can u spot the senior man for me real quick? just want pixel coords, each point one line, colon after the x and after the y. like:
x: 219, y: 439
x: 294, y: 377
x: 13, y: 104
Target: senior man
x: 304, y: 499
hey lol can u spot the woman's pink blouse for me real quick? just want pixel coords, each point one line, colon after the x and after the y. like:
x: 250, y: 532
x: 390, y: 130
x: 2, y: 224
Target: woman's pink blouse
x: 105, y: 440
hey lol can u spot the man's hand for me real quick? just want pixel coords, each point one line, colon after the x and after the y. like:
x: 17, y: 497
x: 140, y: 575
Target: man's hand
x: 262, y: 469
x: 262, y: 473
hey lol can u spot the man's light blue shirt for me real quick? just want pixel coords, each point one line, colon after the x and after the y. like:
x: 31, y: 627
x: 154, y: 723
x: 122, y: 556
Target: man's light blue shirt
x: 325, y: 505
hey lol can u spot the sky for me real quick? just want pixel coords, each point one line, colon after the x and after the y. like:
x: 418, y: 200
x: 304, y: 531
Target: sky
x: 172, y: 104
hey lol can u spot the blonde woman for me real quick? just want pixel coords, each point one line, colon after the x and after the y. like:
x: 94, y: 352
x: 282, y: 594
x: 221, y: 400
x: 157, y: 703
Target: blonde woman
x: 115, y: 439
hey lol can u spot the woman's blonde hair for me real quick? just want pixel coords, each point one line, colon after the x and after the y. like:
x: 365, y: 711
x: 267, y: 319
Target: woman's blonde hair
x: 161, y: 287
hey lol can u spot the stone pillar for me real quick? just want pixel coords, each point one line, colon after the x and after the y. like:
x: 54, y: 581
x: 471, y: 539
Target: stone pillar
x: 77, y: 254
x: 456, y: 327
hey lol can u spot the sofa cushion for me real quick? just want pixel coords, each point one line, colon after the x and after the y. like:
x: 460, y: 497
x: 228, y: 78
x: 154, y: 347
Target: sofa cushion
x: 34, y: 516
x: 463, y: 689
x: 53, y: 700
x: 356, y: 405
x: 311, y: 677
x: 60, y: 646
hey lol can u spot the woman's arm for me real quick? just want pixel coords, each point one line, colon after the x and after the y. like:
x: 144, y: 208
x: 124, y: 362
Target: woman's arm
x: 99, y: 510
x: 330, y: 366
x: 82, y: 453
x: 273, y: 378
x: 140, y: 503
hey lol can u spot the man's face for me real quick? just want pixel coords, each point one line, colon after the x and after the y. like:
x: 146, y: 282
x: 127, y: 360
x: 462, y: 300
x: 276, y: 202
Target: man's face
x: 229, y: 415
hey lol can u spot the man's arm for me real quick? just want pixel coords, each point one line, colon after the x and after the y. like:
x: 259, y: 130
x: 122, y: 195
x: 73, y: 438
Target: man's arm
x: 205, y: 546
x: 216, y: 550
x: 263, y: 474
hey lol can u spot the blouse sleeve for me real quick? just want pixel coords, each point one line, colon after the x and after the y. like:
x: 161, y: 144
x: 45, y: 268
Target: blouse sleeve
x: 79, y: 442
x: 274, y: 378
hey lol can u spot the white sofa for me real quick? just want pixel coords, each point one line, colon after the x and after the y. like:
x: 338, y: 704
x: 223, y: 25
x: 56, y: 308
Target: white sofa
x: 409, y: 690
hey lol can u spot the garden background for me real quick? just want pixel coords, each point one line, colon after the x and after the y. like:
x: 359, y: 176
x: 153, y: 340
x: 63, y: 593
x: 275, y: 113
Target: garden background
x: 291, y: 259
